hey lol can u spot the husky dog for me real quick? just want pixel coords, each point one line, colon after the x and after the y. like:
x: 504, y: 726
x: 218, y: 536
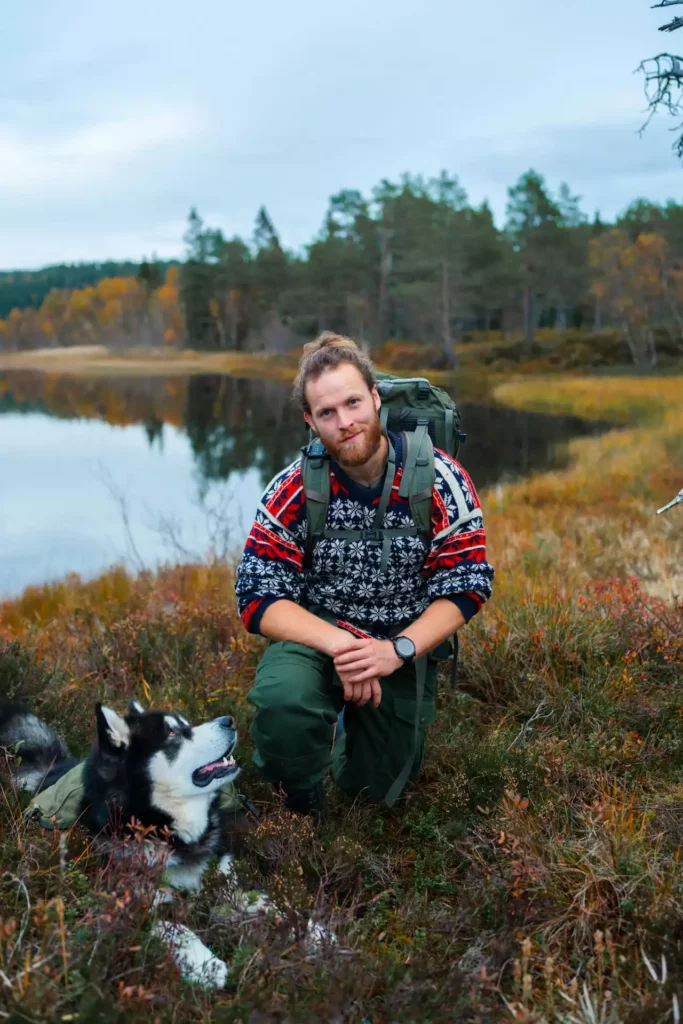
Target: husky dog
x: 153, y: 766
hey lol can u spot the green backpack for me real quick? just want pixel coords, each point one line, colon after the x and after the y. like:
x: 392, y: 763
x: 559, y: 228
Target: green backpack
x: 426, y: 417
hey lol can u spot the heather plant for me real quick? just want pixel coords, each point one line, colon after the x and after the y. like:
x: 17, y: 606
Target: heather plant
x: 532, y: 875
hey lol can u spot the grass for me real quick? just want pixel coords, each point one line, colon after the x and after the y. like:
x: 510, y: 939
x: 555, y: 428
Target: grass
x: 534, y: 873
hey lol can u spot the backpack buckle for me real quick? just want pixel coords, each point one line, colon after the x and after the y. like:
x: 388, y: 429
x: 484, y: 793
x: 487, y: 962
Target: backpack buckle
x: 314, y: 450
x: 371, y: 536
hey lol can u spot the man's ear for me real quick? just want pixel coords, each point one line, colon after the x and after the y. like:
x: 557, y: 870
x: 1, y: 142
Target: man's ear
x: 113, y: 733
x: 309, y: 421
x: 376, y: 398
x: 135, y: 708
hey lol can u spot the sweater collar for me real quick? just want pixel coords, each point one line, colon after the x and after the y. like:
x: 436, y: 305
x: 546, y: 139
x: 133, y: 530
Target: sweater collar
x: 368, y: 494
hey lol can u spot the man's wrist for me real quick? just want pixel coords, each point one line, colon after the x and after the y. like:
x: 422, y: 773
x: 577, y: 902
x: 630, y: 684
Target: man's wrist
x: 405, y: 648
x: 398, y: 662
x: 334, y: 636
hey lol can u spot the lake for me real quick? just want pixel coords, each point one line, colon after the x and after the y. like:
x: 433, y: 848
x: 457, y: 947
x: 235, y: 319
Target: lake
x: 143, y: 470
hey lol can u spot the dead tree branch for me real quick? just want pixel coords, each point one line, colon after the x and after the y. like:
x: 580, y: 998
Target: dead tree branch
x: 664, y: 88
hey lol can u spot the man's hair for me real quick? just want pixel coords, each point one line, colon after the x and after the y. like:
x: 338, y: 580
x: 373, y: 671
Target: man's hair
x: 328, y: 351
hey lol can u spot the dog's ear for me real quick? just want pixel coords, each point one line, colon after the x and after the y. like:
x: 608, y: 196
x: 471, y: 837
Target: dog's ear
x: 135, y: 708
x: 112, y: 730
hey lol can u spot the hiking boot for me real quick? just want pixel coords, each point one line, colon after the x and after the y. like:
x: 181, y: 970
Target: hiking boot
x: 308, y: 801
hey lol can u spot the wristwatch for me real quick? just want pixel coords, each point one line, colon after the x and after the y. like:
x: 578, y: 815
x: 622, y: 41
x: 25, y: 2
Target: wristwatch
x: 405, y: 648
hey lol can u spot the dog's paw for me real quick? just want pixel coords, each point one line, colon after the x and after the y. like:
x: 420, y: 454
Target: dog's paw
x: 318, y: 937
x: 226, y: 867
x: 213, y: 973
x: 195, y: 960
x: 253, y: 902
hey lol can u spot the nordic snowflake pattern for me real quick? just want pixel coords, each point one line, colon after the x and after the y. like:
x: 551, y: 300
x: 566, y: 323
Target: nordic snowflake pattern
x: 345, y: 577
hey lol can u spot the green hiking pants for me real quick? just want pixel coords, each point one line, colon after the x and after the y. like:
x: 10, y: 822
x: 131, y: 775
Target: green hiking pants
x: 298, y: 697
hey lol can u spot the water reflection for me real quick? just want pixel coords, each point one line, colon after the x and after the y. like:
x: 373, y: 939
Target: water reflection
x: 185, y: 458
x: 240, y: 424
x: 236, y: 425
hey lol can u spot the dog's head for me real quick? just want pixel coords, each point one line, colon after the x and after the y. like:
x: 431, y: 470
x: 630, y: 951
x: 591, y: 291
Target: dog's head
x: 178, y: 759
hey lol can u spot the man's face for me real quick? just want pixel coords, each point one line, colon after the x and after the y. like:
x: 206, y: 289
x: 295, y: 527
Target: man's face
x: 345, y: 414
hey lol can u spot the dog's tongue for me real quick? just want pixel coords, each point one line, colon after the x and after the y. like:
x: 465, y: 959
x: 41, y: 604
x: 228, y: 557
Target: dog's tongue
x: 224, y: 762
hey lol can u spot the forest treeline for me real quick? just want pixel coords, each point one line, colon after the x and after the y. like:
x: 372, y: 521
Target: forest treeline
x: 413, y: 261
x: 22, y: 288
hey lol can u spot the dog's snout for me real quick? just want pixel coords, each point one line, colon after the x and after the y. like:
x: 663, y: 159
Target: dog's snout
x: 227, y: 722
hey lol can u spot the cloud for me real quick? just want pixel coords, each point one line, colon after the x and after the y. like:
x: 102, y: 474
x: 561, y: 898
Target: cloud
x: 82, y: 75
x: 608, y: 163
x: 92, y: 154
x: 112, y: 124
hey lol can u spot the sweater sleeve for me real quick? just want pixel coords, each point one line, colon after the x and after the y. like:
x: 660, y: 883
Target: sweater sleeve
x: 271, y: 566
x: 456, y: 566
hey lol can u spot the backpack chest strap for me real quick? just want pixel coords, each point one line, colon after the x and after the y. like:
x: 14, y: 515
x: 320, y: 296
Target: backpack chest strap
x: 374, y: 537
x: 377, y: 534
x: 316, y: 477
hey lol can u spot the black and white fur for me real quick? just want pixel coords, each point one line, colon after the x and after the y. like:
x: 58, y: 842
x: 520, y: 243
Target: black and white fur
x: 155, y: 767
x: 41, y: 756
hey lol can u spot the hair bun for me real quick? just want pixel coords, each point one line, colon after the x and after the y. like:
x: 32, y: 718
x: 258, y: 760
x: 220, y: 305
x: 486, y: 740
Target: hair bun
x: 327, y: 352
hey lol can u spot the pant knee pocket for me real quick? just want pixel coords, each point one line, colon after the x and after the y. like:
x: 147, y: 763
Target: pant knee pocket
x: 405, y: 708
x: 401, y: 742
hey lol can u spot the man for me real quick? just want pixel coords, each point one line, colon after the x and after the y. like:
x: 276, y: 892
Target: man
x: 350, y: 627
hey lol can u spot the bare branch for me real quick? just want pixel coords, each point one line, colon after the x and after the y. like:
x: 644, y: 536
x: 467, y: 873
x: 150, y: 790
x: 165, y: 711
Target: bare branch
x: 22, y: 885
x: 122, y: 501
x: 664, y: 88
x: 667, y: 3
x: 672, y: 25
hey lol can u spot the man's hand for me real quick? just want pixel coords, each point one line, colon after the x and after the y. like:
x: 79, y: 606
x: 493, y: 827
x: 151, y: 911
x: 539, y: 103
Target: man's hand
x: 361, y: 664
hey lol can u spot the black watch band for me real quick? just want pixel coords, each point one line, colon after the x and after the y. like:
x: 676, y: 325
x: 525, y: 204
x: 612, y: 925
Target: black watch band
x: 405, y: 648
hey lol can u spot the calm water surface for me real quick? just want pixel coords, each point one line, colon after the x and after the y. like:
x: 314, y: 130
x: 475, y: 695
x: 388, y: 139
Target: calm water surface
x: 146, y: 470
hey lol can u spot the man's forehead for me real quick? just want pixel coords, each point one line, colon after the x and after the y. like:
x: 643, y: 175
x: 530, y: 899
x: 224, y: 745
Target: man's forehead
x: 335, y: 383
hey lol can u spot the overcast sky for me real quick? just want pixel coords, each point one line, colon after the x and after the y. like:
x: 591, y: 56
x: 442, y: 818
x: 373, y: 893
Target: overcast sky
x: 115, y: 119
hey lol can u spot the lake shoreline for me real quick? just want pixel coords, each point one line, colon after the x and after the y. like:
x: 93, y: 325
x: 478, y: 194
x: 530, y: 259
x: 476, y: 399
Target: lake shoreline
x: 97, y: 360
x: 482, y: 366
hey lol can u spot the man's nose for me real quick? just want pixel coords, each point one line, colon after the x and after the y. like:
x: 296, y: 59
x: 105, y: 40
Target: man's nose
x: 346, y: 419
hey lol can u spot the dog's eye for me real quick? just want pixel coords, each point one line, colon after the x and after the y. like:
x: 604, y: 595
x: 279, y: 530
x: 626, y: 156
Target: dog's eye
x: 172, y: 733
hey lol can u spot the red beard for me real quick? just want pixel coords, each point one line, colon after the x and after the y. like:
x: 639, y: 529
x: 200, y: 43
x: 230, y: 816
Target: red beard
x: 361, y: 449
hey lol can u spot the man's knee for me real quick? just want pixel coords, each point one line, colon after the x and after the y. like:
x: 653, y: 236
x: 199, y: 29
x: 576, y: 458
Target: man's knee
x: 295, y: 714
x: 284, y: 722
x: 292, y: 742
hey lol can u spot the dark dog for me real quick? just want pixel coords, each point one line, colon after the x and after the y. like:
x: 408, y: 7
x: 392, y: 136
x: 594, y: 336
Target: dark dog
x: 155, y: 767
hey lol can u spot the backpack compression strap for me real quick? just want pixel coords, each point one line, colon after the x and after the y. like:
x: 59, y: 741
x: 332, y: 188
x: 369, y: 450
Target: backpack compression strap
x: 417, y: 482
x: 398, y: 785
x: 315, y: 472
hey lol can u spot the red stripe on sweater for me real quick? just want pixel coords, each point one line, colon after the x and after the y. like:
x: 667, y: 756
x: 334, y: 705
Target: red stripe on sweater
x: 250, y: 610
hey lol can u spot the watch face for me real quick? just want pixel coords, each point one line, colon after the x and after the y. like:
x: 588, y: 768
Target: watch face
x: 405, y: 648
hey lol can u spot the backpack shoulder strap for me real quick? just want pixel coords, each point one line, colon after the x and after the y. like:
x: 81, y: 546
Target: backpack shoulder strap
x: 315, y: 473
x: 417, y: 481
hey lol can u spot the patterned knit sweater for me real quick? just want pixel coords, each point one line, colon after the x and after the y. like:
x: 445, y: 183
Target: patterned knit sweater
x: 344, y: 577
